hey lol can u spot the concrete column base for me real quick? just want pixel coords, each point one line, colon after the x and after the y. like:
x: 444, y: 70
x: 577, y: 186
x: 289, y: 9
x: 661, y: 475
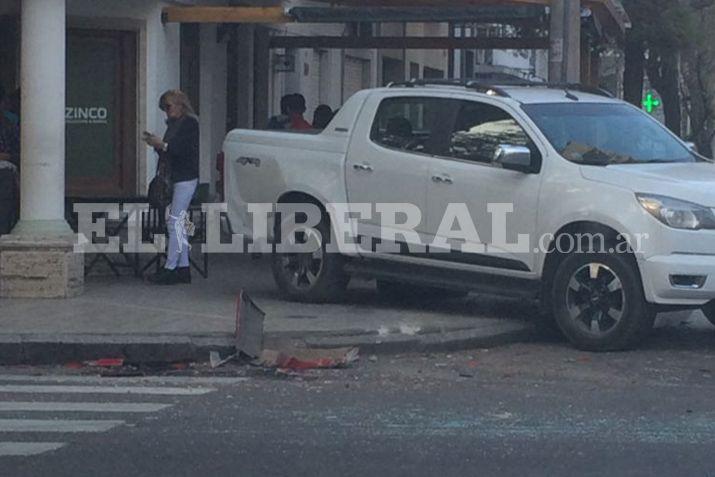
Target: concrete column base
x: 38, y: 260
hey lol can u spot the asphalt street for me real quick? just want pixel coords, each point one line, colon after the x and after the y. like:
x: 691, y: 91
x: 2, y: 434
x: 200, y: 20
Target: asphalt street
x: 537, y: 408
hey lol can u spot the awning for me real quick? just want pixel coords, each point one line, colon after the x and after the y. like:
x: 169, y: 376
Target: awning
x: 610, y: 13
x: 195, y: 14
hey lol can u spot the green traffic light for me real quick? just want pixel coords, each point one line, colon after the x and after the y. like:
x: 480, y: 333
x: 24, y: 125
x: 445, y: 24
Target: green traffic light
x: 651, y: 103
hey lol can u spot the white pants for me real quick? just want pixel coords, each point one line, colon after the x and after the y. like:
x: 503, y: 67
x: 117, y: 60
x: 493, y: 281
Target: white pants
x: 178, y: 253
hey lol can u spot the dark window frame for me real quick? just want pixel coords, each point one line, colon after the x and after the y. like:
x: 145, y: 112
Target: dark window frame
x: 535, y: 149
x: 374, y: 128
x: 451, y: 122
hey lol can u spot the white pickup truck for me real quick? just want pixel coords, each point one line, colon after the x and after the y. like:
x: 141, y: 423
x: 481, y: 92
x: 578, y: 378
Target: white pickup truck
x: 558, y: 193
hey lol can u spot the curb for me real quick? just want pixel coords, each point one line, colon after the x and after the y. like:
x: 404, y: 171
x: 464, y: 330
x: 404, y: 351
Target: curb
x: 46, y: 349
x: 39, y: 349
x: 483, y: 337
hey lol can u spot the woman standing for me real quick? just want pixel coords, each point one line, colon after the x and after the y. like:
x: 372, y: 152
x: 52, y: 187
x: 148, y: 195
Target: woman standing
x: 180, y: 146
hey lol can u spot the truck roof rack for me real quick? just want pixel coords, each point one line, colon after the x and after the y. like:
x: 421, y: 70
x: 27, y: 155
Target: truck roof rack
x: 564, y: 86
x: 477, y: 86
x: 498, y: 90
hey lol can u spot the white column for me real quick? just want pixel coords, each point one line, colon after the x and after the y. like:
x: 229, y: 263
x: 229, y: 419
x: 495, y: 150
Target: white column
x: 43, y: 111
x: 39, y: 259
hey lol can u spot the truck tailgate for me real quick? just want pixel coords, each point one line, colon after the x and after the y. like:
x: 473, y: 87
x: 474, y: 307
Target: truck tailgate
x: 263, y: 165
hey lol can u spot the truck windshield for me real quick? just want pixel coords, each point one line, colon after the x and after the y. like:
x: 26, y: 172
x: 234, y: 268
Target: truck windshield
x: 604, y: 134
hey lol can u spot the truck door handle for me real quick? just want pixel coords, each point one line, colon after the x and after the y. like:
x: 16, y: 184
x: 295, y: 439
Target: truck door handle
x: 244, y: 161
x: 442, y: 179
x: 362, y: 167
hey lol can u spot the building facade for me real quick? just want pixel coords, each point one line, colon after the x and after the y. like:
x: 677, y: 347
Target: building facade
x: 120, y: 58
x: 91, y: 73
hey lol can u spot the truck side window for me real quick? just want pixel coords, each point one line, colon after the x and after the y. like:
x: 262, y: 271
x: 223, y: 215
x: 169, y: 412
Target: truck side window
x: 411, y: 124
x: 479, y: 130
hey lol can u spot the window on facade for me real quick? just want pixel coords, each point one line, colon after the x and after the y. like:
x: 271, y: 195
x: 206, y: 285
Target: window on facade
x: 414, y: 70
x: 469, y: 64
x: 412, y: 124
x: 489, y: 57
x: 433, y: 73
x: 480, y: 129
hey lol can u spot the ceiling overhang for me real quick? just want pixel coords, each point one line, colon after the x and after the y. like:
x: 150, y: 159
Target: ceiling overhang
x: 608, y: 12
x: 483, y: 14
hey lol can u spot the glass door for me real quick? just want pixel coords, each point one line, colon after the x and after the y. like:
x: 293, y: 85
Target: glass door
x: 100, y: 113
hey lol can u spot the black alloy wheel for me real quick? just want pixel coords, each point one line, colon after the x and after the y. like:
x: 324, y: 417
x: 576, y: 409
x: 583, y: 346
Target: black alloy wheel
x: 313, y: 276
x: 595, y: 299
x: 598, y: 301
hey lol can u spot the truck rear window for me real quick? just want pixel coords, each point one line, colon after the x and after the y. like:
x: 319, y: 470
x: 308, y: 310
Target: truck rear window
x: 408, y: 123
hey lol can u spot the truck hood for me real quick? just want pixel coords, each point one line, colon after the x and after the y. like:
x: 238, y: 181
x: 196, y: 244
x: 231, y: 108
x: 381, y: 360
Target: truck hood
x: 693, y: 182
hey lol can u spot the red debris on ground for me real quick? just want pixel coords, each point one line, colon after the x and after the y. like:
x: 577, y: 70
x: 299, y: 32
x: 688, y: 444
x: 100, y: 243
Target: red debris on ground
x: 299, y: 359
x: 105, y: 363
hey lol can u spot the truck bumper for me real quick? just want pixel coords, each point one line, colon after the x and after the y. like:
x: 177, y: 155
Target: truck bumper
x: 679, y: 279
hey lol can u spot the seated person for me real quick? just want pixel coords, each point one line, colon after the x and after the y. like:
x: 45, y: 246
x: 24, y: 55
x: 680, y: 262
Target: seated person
x: 322, y: 116
x: 296, y: 109
x: 398, y: 133
x: 9, y: 164
x: 281, y: 121
x: 9, y: 135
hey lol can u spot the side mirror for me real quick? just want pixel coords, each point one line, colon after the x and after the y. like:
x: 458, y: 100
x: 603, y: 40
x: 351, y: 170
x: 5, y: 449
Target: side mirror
x: 692, y: 146
x: 514, y: 158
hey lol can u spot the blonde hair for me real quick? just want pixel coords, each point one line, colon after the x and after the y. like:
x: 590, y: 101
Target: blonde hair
x: 179, y: 98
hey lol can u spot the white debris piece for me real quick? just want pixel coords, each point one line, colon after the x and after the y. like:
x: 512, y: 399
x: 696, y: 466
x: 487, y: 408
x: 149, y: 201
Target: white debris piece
x: 410, y: 330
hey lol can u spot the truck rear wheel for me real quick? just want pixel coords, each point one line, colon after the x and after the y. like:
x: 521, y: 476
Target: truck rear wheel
x: 598, y: 301
x: 316, y: 277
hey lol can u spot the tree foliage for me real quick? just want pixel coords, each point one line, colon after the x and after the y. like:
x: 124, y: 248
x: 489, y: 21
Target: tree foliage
x: 698, y: 71
x: 673, y: 41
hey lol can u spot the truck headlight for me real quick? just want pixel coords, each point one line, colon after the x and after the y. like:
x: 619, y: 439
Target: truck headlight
x: 678, y: 214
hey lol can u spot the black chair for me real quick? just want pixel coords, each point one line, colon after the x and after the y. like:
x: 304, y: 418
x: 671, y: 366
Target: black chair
x: 114, y: 228
x: 153, y: 222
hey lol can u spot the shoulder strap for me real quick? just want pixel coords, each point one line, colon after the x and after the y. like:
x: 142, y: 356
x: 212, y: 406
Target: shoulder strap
x: 162, y: 164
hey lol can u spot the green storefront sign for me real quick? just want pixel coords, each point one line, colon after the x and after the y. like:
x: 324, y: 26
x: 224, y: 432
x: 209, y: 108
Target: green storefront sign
x: 92, y: 70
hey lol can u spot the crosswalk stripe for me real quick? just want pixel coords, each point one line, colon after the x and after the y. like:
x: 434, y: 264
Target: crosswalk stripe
x: 56, y: 425
x: 82, y: 385
x: 211, y: 380
x: 159, y: 391
x: 39, y: 406
x: 22, y: 449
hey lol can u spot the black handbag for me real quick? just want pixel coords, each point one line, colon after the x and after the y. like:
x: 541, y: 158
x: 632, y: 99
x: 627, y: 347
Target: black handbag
x: 160, y: 187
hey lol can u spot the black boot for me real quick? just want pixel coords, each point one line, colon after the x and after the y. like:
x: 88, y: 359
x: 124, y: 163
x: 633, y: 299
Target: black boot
x: 184, y: 274
x: 165, y: 277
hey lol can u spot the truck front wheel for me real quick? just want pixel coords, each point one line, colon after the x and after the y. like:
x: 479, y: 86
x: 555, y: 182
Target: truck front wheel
x: 316, y: 277
x: 598, y: 301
